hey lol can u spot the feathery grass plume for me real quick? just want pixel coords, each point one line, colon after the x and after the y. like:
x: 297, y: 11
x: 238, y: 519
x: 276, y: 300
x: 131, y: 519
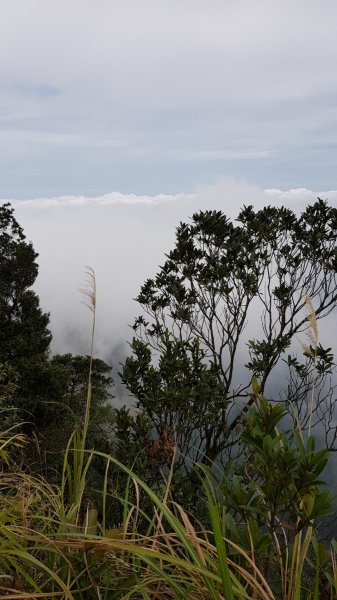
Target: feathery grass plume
x: 75, y: 465
x: 89, y: 293
x: 80, y: 469
x: 310, y: 350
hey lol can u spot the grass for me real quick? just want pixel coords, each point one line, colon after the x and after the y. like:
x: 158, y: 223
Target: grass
x: 53, y: 551
x: 49, y: 548
x: 53, y: 544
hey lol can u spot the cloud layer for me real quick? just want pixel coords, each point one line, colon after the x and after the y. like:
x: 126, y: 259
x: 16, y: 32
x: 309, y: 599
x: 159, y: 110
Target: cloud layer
x: 124, y: 238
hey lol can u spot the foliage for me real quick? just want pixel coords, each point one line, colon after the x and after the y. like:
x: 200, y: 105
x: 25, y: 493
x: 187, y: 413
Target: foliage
x: 23, y: 324
x: 53, y: 544
x: 279, y: 476
x: 275, y: 493
x: 64, y: 408
x: 47, y: 395
x: 70, y: 382
x: 186, y: 370
x: 24, y: 333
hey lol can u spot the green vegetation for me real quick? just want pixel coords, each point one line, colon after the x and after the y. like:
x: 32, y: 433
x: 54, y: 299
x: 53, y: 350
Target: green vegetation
x: 53, y: 544
x: 187, y: 370
x: 24, y: 334
x: 118, y: 508
x: 47, y: 395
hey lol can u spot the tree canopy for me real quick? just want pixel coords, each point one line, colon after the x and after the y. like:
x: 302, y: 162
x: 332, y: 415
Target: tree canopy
x: 186, y: 369
x: 24, y: 333
x: 24, y: 326
x: 48, y: 394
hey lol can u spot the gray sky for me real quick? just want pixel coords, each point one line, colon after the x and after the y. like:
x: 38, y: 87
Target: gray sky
x: 161, y: 96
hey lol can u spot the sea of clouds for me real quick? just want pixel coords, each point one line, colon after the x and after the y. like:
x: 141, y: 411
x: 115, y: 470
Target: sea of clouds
x: 124, y: 238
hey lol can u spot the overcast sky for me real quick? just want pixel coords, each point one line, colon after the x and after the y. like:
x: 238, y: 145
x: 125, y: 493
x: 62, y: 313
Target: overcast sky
x: 160, y: 96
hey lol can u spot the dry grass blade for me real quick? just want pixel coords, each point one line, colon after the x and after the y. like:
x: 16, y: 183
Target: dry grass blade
x: 192, y: 534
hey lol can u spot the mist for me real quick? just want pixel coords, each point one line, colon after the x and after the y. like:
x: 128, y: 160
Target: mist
x: 124, y: 238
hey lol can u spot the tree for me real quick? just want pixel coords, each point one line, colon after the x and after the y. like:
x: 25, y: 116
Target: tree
x: 70, y: 385
x: 191, y: 366
x: 24, y: 333
x: 63, y: 410
x: 47, y: 394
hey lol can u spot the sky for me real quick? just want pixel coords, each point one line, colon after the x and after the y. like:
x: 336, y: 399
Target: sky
x: 119, y: 118
x: 162, y: 96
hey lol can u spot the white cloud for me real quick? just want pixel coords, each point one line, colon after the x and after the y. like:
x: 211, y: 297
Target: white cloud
x: 124, y: 238
x: 298, y: 197
x: 104, y: 200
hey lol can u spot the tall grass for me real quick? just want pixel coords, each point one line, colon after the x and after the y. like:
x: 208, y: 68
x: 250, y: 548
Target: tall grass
x: 46, y: 554
x: 53, y: 544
